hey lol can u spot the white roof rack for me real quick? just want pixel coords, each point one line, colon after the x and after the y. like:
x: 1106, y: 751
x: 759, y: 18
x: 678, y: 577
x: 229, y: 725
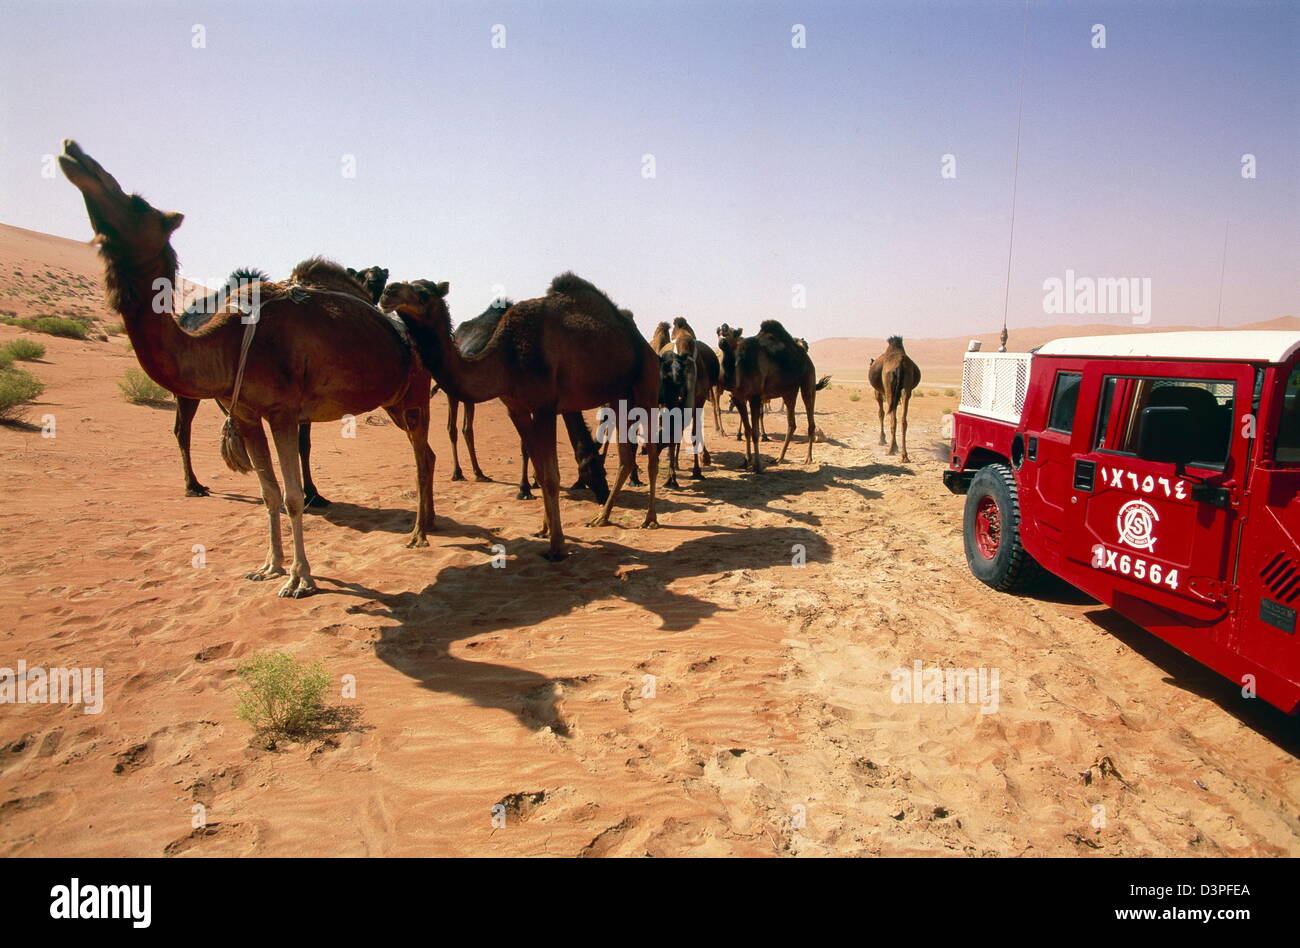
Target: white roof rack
x: 1222, y: 345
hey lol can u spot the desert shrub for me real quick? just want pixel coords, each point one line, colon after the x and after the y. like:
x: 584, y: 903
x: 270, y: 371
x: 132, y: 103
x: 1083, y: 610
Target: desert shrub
x: 114, y: 329
x: 950, y: 392
x: 854, y: 396
x: 55, y: 326
x: 281, y: 694
x: 138, y: 389
x: 17, y: 386
x: 24, y: 350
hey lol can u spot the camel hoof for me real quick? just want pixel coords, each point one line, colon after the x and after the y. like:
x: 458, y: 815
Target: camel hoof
x: 598, y: 521
x: 416, y: 540
x: 297, y: 588
x: 905, y: 459
x: 697, y: 475
x: 482, y: 478
x: 315, y: 500
x: 196, y: 490
x: 457, y: 475
x: 650, y: 524
x: 554, y: 555
x: 266, y: 572
x: 524, y: 495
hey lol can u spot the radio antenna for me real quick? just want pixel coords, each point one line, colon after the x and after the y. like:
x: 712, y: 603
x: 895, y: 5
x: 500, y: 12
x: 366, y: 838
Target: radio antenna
x: 1223, y: 268
x: 1015, y: 179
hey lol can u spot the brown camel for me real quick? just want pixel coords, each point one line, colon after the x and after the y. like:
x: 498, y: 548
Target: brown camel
x: 197, y: 314
x: 569, y: 351
x: 470, y: 338
x: 894, y: 375
x: 314, y: 352
x: 769, y: 365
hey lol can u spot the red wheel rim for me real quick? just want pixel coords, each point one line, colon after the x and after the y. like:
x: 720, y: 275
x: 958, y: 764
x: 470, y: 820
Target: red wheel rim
x: 988, y: 528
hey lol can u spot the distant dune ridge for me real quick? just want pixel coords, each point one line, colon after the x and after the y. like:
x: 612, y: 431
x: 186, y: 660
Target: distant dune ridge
x: 851, y: 354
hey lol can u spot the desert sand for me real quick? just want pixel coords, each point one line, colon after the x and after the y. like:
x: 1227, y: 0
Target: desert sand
x: 766, y: 726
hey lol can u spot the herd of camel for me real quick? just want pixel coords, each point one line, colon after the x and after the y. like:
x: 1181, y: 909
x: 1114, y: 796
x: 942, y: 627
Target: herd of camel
x: 330, y: 342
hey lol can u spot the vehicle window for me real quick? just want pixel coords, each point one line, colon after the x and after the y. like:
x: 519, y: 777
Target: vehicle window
x: 1065, y: 399
x: 1211, y: 401
x: 1288, y: 434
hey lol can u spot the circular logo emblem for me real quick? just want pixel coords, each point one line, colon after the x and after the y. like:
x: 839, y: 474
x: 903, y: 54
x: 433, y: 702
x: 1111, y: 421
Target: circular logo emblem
x: 1137, y: 524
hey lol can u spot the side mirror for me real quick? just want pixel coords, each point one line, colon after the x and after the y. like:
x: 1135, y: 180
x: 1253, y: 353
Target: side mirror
x: 1167, y: 435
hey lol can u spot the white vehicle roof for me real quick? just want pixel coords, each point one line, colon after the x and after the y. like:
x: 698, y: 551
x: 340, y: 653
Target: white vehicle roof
x: 1223, y: 345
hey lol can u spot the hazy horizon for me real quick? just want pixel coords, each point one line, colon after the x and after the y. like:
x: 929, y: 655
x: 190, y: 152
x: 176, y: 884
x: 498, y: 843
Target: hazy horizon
x: 775, y: 166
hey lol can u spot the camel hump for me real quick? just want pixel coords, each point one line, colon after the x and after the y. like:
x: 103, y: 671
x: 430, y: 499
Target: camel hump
x: 328, y: 275
x: 773, y: 328
x: 570, y: 284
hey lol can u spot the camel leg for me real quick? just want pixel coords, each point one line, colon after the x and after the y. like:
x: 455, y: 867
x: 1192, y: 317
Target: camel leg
x: 740, y: 410
x: 880, y: 407
x: 762, y: 419
x: 756, y: 405
x: 893, y: 427
x: 591, y: 467
x: 541, y: 445
x: 809, y: 404
x: 716, y: 401
x: 311, y: 495
x: 285, y: 434
x: 907, y: 398
x: 185, y: 409
x: 651, y: 520
x: 789, y: 425
x: 453, y: 409
x: 742, y: 429
x: 468, y: 430
x: 525, y: 493
x: 413, y: 418
x: 260, y: 454
x: 697, y: 443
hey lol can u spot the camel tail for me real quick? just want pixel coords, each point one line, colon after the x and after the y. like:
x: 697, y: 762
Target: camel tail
x: 233, y: 450
x: 893, y: 388
x: 822, y: 382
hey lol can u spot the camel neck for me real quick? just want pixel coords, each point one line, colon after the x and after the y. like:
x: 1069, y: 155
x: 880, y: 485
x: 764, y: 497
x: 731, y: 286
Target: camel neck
x: 188, y: 365
x: 477, y: 378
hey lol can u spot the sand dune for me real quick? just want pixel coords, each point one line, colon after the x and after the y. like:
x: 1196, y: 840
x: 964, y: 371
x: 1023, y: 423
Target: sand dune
x: 685, y: 691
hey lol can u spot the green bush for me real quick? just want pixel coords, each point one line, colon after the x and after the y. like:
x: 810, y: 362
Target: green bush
x: 55, y: 326
x: 950, y: 392
x: 854, y: 396
x: 17, y: 386
x: 24, y: 350
x: 281, y: 694
x: 138, y: 389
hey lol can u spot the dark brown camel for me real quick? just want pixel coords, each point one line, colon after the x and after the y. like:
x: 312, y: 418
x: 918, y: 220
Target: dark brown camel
x: 374, y: 279
x: 569, y: 351
x: 470, y: 338
x: 769, y: 365
x: 894, y: 375
x: 358, y: 359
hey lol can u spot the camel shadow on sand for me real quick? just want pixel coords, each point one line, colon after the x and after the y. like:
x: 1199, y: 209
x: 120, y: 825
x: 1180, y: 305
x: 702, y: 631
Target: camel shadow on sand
x: 466, y: 602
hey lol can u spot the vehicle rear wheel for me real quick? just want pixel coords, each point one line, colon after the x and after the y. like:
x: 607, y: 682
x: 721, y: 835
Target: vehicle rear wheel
x: 992, y: 531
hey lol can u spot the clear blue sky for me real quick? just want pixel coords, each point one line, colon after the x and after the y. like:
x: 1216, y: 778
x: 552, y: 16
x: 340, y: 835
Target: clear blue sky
x: 775, y: 166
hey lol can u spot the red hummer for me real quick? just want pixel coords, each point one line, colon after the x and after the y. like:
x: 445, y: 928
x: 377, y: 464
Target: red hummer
x: 1157, y: 472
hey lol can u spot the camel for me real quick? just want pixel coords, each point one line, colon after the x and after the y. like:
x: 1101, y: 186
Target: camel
x: 769, y: 365
x: 894, y: 375
x: 470, y: 338
x: 374, y: 279
x: 700, y: 383
x: 569, y: 351
x: 709, y: 364
x: 677, y: 383
x: 196, y: 316
x: 307, y: 352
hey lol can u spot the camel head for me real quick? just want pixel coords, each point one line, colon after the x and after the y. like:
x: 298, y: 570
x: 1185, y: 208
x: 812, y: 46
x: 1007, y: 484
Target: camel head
x: 126, y: 225
x: 415, y: 299
x: 728, y: 337
x: 374, y: 279
x: 676, y: 372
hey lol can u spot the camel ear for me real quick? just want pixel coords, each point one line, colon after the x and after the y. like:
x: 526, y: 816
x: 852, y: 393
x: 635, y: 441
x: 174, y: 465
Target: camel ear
x: 171, y: 220
x: 352, y: 273
x: 443, y: 288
